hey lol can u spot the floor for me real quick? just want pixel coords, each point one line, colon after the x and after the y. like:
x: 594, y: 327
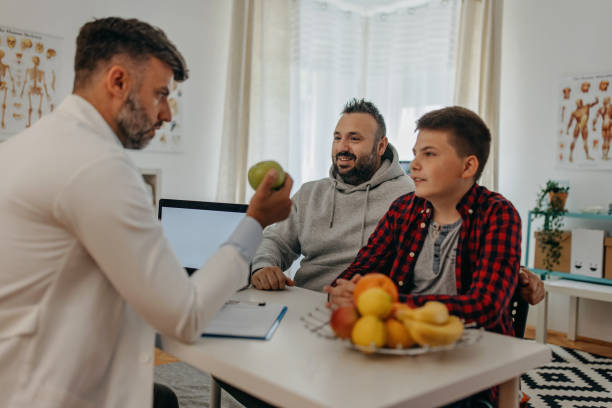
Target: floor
x: 594, y: 346
x: 553, y: 337
x: 161, y: 357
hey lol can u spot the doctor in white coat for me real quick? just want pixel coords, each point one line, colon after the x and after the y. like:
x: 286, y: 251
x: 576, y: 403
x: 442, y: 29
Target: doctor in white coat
x: 86, y: 274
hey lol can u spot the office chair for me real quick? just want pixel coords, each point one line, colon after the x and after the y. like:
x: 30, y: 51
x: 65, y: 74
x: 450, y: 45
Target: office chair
x: 518, y: 310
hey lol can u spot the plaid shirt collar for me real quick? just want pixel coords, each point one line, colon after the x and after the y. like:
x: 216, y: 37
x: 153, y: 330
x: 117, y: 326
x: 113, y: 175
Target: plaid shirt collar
x: 465, y: 206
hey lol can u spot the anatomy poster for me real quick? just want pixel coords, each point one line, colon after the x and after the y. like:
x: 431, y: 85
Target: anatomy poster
x: 29, y: 69
x: 168, y: 139
x: 585, y: 122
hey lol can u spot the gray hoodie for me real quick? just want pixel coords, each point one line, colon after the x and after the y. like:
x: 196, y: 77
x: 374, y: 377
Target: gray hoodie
x: 330, y: 221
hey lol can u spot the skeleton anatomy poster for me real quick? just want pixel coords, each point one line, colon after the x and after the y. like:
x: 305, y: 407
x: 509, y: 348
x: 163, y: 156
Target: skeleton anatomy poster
x: 29, y: 70
x: 585, y: 122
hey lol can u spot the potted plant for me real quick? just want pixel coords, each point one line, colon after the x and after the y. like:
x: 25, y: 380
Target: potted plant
x: 552, y: 210
x: 557, y: 195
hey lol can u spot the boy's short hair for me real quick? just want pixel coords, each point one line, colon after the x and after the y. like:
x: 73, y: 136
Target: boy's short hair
x: 471, y: 136
x: 100, y: 40
x: 363, y: 106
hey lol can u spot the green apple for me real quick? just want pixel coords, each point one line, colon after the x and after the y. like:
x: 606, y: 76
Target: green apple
x: 259, y: 170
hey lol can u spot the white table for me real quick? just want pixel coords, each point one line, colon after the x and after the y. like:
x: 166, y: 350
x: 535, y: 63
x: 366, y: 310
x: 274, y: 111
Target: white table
x: 296, y: 368
x: 575, y: 290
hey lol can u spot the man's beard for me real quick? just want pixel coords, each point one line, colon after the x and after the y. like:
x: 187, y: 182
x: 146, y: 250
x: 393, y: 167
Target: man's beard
x: 362, y: 171
x: 134, y: 124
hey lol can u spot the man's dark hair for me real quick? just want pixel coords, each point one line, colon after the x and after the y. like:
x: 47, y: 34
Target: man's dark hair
x: 362, y: 106
x: 470, y: 135
x: 102, y: 39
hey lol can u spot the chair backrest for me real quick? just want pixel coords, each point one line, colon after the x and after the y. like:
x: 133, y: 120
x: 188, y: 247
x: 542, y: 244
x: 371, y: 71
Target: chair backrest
x: 518, y: 309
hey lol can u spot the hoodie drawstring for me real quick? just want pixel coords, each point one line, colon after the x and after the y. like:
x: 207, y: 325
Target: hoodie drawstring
x: 365, y: 211
x: 331, y: 220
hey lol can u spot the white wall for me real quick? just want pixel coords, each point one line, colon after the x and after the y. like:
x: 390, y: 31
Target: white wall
x: 200, y: 30
x: 543, y: 41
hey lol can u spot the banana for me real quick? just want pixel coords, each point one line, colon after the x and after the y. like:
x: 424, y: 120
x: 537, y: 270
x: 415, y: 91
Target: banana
x: 432, y: 312
x: 427, y: 334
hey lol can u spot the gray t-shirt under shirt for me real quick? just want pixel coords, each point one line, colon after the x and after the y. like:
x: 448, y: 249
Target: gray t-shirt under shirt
x: 434, y: 272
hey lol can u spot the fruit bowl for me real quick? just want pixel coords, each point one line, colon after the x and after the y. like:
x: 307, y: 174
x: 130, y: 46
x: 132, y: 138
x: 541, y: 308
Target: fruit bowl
x: 469, y: 336
x: 317, y: 322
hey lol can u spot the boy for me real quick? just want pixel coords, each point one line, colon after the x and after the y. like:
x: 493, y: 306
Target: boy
x: 451, y: 240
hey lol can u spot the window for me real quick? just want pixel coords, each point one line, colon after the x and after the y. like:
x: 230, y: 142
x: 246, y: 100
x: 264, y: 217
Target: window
x: 398, y: 54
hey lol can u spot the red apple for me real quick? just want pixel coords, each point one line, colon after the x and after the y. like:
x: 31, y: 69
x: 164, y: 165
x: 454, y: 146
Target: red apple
x: 342, y: 321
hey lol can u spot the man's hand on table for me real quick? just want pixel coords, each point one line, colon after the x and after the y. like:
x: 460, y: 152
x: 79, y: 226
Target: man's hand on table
x: 271, y: 278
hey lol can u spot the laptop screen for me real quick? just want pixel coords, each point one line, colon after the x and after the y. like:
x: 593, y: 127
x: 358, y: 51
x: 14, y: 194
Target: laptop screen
x: 196, y: 229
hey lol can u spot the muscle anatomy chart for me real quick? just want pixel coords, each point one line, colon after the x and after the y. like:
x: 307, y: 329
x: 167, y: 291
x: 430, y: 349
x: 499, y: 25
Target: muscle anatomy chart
x: 585, y: 123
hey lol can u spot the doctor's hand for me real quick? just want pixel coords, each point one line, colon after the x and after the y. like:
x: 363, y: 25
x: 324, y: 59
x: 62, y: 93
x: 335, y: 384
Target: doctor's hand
x: 268, y: 206
x: 270, y: 278
x: 341, y: 294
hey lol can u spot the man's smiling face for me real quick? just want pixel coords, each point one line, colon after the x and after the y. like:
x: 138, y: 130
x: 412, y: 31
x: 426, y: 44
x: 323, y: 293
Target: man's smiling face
x: 355, y: 152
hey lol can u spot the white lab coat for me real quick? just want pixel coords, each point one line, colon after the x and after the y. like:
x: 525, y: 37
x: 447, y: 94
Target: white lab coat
x: 85, y: 269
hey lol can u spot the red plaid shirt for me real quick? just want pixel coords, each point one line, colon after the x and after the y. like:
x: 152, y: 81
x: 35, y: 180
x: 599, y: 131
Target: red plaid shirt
x: 488, y: 255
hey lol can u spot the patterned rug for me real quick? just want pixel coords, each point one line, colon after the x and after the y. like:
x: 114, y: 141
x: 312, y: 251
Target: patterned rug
x: 574, y: 379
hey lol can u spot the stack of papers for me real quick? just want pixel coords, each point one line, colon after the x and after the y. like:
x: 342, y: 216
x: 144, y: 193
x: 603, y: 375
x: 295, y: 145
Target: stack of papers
x: 242, y: 319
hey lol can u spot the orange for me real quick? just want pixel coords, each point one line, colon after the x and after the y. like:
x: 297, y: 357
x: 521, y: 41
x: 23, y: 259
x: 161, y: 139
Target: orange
x: 397, y: 334
x: 375, y: 280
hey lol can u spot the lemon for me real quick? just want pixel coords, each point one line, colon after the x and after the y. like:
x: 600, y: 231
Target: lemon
x: 369, y: 331
x: 376, y: 302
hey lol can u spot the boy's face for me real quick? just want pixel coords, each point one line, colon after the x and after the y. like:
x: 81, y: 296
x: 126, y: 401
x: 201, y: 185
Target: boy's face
x: 437, y: 170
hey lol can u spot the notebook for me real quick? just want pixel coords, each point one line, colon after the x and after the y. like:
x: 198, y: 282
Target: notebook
x: 243, y: 319
x: 196, y: 229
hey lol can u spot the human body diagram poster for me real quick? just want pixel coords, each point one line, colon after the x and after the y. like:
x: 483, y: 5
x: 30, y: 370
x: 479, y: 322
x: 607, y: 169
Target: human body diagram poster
x: 29, y: 70
x: 585, y: 122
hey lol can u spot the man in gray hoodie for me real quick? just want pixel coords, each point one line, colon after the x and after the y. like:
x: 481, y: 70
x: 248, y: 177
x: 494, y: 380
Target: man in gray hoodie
x: 332, y: 218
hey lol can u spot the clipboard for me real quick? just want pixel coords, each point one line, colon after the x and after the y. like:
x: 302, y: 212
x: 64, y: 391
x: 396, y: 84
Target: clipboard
x: 246, y: 320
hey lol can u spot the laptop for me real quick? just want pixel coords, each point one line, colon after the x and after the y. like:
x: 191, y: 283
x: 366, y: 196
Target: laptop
x: 196, y: 229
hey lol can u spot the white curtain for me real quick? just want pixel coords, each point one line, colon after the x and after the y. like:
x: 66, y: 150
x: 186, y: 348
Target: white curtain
x: 269, y: 106
x: 256, y: 117
x: 234, y: 143
x: 299, y: 61
x: 326, y: 70
x: 401, y: 55
x: 478, y: 70
x: 411, y: 65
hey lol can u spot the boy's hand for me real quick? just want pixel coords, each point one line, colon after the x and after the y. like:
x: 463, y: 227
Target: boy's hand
x: 531, y: 286
x: 271, y: 278
x: 342, y: 293
x: 268, y: 206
